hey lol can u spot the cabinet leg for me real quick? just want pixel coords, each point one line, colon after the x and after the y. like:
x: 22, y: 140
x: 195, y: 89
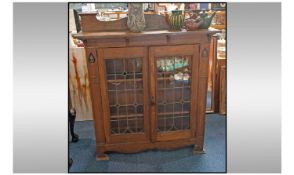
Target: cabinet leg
x: 198, y: 148
x: 102, y: 156
x: 100, y: 153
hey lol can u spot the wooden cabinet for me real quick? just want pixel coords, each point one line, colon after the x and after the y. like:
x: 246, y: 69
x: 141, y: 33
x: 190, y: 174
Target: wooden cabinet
x: 148, y: 89
x: 222, y: 70
x: 216, y: 77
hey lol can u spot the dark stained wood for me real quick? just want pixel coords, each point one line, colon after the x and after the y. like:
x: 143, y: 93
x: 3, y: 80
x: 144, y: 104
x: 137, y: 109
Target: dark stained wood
x: 152, y: 91
x: 134, y: 147
x: 107, y: 42
x: 148, y: 45
x: 195, y: 81
x: 222, y: 88
x: 174, y: 135
x: 151, y: 40
x: 202, y: 33
x: 216, y: 89
x: 131, y: 52
x: 90, y: 23
x: 202, y: 91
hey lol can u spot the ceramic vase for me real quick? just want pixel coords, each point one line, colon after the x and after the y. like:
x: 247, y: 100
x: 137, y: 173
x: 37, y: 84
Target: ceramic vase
x: 136, y: 20
x: 176, y: 20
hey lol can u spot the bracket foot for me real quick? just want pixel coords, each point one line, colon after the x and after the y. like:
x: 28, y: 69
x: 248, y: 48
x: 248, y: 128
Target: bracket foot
x: 102, y: 157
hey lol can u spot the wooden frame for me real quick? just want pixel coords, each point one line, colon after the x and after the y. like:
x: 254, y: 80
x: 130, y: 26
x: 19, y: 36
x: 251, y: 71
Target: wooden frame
x: 222, y: 78
x: 121, y: 44
x: 164, y: 51
x: 119, y: 53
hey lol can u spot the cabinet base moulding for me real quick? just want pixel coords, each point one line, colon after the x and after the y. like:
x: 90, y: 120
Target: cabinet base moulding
x: 102, y: 157
x: 134, y: 147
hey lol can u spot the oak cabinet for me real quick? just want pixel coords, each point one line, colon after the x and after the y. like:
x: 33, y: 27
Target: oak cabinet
x: 148, y: 89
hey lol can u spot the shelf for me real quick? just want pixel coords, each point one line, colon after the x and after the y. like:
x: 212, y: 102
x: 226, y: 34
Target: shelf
x: 173, y: 71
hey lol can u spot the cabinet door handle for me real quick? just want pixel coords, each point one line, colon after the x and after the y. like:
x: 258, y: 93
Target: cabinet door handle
x: 152, y: 100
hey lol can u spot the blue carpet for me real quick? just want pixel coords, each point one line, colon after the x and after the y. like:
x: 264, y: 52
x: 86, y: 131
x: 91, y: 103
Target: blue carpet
x: 179, y: 160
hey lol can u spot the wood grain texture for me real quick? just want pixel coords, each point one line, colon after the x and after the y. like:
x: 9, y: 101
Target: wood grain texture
x: 202, y: 91
x: 96, y: 97
x: 223, y: 88
x: 191, y: 36
x: 222, y: 105
x: 194, y: 95
x: 133, y: 147
x: 216, y: 96
x: 89, y: 23
x: 149, y: 46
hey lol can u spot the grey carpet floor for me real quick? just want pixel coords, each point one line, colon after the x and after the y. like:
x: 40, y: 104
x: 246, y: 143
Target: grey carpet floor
x: 179, y: 160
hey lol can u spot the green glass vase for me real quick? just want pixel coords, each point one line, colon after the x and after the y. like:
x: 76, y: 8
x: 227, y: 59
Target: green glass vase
x: 176, y: 19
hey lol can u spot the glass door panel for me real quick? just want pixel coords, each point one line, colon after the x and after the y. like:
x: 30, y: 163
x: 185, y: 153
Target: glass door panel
x: 173, y: 110
x: 173, y: 92
x: 124, y: 78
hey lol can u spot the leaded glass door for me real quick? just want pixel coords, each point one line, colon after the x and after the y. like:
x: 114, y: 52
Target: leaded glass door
x: 124, y: 85
x: 173, y: 80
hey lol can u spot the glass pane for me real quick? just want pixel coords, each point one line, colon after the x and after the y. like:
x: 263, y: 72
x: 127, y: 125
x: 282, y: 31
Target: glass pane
x: 173, y: 93
x: 125, y: 93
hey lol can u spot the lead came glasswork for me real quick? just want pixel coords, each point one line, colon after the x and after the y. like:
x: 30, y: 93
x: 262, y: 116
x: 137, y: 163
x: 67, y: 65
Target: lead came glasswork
x: 125, y: 93
x: 173, y: 93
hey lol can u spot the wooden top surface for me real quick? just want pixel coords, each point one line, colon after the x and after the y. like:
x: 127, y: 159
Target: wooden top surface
x: 124, y: 34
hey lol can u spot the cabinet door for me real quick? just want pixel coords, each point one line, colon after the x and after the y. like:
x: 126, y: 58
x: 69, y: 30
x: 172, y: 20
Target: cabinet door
x: 124, y: 86
x: 173, y: 91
